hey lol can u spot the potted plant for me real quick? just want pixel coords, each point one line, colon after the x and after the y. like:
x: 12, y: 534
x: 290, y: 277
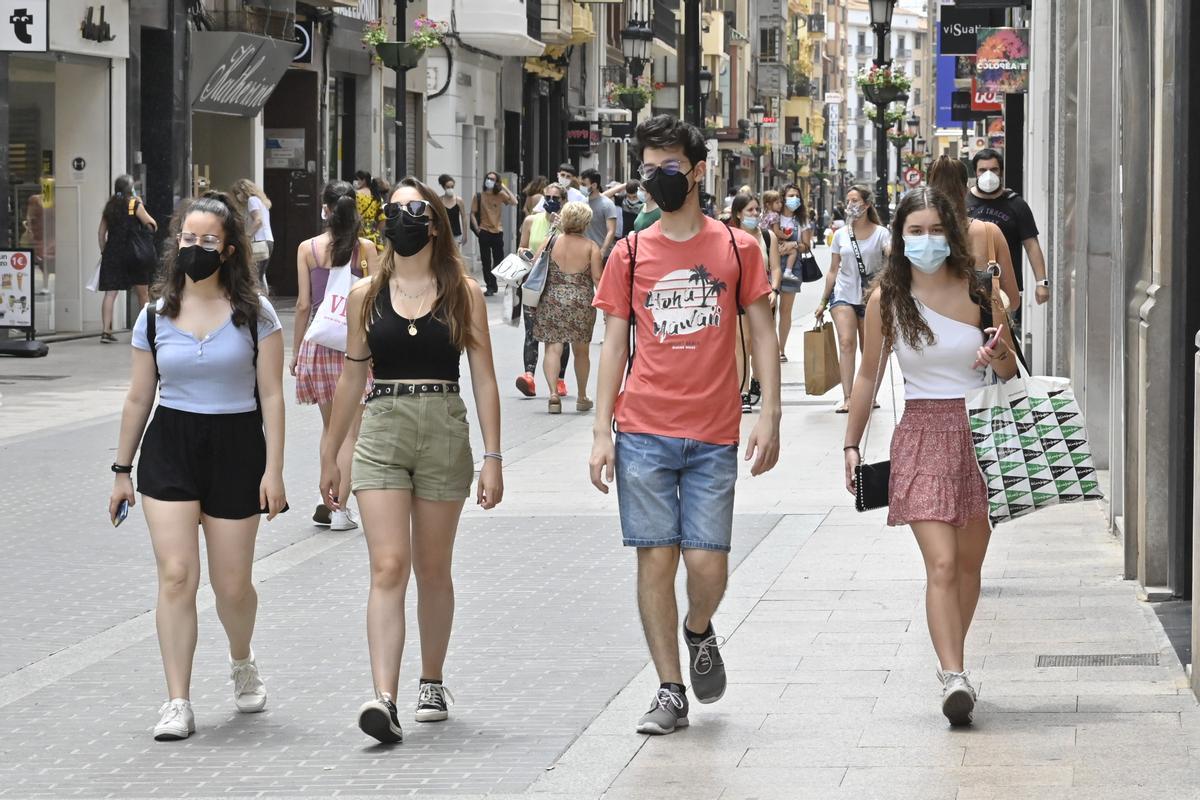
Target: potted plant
x: 427, y: 33
x: 882, y: 85
x: 635, y: 97
x: 891, y: 116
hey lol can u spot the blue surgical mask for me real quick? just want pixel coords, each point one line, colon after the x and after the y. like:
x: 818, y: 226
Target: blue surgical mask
x: 792, y: 203
x: 926, y: 252
x: 750, y: 223
x: 641, y: 195
x: 586, y: 191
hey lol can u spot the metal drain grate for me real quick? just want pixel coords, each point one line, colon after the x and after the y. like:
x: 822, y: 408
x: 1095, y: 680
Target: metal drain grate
x: 1102, y: 660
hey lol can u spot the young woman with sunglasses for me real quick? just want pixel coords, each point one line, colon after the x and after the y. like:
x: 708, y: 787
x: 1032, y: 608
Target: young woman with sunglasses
x: 205, y: 462
x: 412, y: 319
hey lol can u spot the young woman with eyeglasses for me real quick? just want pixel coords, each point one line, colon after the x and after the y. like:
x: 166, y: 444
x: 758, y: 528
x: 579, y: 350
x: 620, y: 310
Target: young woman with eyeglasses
x: 412, y: 319
x: 213, y: 346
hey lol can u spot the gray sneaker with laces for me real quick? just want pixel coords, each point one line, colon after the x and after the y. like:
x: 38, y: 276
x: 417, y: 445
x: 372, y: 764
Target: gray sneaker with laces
x: 958, y: 697
x: 706, y: 666
x: 667, y: 713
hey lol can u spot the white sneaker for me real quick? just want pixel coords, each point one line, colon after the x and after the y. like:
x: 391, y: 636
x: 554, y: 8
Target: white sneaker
x: 342, y: 520
x: 958, y: 697
x: 176, y: 721
x: 249, y: 692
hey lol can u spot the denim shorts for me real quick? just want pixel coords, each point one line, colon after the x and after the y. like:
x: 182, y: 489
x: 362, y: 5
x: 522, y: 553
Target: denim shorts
x: 675, y: 492
x: 859, y: 308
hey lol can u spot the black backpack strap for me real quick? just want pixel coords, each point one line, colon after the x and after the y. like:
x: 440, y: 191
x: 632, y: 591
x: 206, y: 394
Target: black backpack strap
x: 738, y: 255
x: 152, y: 334
x: 254, y: 361
x: 631, y: 249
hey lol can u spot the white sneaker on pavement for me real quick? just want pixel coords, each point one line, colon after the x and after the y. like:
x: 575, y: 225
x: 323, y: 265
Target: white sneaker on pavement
x: 342, y: 520
x: 176, y: 721
x: 958, y: 697
x: 249, y: 692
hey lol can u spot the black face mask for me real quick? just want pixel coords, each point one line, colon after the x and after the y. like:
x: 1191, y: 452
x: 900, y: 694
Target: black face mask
x: 669, y: 191
x: 197, y: 262
x: 408, y: 236
x: 552, y: 205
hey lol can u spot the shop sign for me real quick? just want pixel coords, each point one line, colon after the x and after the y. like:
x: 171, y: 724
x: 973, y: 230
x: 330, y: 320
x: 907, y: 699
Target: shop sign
x: 283, y: 148
x: 16, y: 289
x: 1002, y: 61
x: 88, y: 28
x: 24, y: 26
x: 730, y: 134
x: 961, y: 110
x: 581, y: 135
x: 959, y: 26
x: 303, y: 31
x: 244, y: 75
x: 982, y: 100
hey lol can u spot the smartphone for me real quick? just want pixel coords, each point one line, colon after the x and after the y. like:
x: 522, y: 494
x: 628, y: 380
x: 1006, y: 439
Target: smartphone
x: 122, y: 513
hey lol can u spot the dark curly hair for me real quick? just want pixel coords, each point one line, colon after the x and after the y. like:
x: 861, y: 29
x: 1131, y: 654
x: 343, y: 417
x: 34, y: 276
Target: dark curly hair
x: 236, y: 274
x: 901, y: 318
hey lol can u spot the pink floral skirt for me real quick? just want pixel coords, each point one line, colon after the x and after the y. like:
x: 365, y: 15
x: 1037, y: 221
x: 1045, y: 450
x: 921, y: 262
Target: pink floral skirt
x: 935, y: 476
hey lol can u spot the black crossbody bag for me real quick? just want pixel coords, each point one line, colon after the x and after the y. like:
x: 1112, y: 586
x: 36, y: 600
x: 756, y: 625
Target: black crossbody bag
x: 871, y: 480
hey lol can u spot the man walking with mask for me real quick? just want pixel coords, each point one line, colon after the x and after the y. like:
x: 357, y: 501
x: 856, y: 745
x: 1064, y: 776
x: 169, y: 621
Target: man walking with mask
x: 486, y: 209
x: 991, y: 202
x: 680, y: 285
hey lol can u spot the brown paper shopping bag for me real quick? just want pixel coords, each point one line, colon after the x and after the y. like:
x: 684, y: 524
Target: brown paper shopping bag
x: 821, y: 360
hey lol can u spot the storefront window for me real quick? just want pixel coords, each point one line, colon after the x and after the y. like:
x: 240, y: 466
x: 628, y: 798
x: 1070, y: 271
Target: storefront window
x: 31, y: 173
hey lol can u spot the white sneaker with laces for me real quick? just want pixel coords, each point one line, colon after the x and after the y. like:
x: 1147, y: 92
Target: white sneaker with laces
x: 958, y: 697
x: 249, y: 691
x: 176, y: 721
x: 342, y: 520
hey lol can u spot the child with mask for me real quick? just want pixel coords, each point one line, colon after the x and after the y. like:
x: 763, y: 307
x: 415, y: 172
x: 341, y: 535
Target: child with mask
x: 931, y: 312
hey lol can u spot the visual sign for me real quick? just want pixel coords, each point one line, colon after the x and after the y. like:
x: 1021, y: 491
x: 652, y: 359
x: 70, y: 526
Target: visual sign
x: 16, y: 289
x: 1002, y: 60
x: 24, y: 26
x: 958, y: 28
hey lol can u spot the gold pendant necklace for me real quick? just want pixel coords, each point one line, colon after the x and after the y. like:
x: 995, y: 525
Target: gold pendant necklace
x: 412, y: 323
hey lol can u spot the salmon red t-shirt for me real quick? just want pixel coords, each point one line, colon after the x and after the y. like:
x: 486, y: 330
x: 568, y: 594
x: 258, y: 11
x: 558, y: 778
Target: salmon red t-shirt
x: 685, y: 300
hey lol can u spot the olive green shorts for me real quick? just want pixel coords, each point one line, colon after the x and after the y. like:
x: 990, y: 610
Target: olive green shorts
x: 420, y: 443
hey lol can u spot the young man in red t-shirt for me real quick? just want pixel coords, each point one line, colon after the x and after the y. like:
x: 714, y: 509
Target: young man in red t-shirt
x: 679, y: 413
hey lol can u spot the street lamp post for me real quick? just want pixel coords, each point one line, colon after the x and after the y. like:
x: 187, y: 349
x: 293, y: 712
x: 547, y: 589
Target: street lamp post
x: 821, y: 153
x: 706, y: 82
x: 692, y: 45
x: 637, y: 38
x: 881, y: 23
x: 841, y: 163
x: 757, y: 113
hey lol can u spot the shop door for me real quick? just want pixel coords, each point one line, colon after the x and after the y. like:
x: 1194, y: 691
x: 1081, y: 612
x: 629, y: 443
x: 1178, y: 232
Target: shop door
x: 291, y: 180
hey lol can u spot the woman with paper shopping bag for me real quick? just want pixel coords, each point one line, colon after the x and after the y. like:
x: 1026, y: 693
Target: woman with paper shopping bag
x: 933, y: 314
x: 326, y: 267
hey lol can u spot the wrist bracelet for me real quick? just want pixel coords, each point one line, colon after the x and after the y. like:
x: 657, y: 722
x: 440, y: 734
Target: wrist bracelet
x: 495, y: 456
x: 121, y: 469
x: 853, y: 447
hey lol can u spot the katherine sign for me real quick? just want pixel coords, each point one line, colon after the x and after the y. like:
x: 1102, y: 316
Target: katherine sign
x: 1002, y: 61
x: 241, y: 71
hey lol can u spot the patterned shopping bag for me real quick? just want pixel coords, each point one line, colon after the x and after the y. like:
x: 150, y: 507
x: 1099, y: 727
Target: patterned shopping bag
x: 1031, y: 445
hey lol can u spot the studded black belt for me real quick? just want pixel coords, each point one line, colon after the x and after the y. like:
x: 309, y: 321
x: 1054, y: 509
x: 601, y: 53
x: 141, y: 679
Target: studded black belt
x: 397, y: 389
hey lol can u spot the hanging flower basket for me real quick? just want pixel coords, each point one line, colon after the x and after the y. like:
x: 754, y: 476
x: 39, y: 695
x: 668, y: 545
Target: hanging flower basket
x: 635, y: 97
x: 898, y: 139
x: 428, y: 33
x: 882, y: 85
x: 399, y: 55
x: 892, y: 116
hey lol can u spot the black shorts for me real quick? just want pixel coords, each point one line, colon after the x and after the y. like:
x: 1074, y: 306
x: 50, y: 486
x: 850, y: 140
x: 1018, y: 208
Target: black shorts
x: 217, y: 459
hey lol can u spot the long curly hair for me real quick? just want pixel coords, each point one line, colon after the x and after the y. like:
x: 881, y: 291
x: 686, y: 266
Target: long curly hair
x: 236, y: 275
x: 453, y: 302
x: 901, y: 318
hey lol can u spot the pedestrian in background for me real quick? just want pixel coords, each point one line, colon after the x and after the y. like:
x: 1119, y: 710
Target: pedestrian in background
x: 565, y: 313
x: 533, y: 194
x: 630, y: 205
x: 127, y: 256
x: 486, y: 209
x: 454, y: 209
x: 930, y: 310
x: 681, y: 284
x: 650, y: 212
x: 370, y: 194
x: 949, y: 177
x: 412, y: 319
x: 255, y: 208
x: 535, y: 230
x: 795, y: 242
x: 603, y: 227
x: 859, y: 251
x: 315, y: 366
x: 213, y: 346
x: 992, y: 202
x: 744, y: 214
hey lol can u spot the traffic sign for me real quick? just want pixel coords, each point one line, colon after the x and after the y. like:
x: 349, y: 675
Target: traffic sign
x: 913, y: 176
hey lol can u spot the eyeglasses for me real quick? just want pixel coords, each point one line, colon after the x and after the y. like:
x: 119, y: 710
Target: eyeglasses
x: 207, y: 242
x: 418, y: 209
x: 672, y: 167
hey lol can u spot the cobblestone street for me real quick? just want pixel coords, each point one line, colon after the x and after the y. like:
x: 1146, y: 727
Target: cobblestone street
x: 832, y: 693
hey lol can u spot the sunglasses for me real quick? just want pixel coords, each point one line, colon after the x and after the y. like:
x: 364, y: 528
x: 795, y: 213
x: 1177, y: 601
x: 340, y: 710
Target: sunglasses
x: 417, y: 209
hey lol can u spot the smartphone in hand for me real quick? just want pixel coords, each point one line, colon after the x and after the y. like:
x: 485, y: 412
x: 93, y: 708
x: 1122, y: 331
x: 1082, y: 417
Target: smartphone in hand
x: 122, y: 513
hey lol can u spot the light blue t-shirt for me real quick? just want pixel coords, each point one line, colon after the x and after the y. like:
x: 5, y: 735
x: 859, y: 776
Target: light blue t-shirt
x: 210, y: 376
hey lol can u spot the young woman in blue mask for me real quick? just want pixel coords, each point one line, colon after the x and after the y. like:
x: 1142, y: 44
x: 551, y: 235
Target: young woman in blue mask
x: 795, y: 239
x: 745, y: 214
x: 930, y: 310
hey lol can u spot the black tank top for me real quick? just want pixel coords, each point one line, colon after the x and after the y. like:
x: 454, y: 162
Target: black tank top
x: 397, y: 355
x: 455, y: 214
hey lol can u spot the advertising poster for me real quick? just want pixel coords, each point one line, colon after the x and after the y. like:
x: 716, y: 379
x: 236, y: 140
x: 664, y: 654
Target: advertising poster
x: 1002, y: 62
x: 16, y: 289
x: 984, y: 100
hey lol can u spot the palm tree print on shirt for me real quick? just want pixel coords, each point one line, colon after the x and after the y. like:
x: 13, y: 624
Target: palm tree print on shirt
x: 679, y: 304
x: 712, y: 287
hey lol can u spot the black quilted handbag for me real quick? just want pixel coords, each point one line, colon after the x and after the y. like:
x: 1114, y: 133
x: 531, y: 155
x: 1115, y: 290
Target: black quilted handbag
x: 871, y: 480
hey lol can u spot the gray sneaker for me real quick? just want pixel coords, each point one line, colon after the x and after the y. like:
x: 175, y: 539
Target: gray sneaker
x: 667, y: 713
x: 706, y: 666
x: 958, y: 698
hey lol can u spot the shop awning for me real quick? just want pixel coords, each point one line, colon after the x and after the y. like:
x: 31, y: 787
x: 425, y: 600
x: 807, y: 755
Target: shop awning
x: 234, y: 73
